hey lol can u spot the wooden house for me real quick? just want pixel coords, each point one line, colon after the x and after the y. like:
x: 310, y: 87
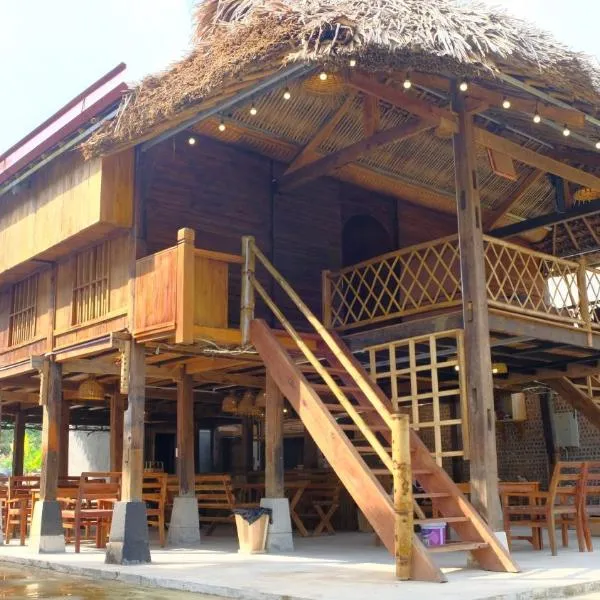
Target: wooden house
x: 369, y: 213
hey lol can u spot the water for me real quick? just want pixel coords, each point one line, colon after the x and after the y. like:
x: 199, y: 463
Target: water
x: 27, y: 583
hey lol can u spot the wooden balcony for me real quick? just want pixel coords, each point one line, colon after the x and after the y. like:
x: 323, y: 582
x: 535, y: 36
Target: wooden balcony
x: 182, y: 294
x: 425, y: 280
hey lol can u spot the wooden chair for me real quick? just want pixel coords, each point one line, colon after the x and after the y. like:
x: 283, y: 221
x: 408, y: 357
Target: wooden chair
x: 560, y: 505
x: 154, y: 494
x: 96, y: 496
x: 19, y: 504
x: 512, y: 493
x: 590, y: 509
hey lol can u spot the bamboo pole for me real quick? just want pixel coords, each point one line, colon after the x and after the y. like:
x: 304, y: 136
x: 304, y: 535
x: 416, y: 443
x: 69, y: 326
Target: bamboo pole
x: 403, y: 497
x: 247, y: 305
x: 326, y: 298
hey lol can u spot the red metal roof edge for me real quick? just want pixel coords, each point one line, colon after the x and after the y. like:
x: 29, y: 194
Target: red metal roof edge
x: 102, y: 93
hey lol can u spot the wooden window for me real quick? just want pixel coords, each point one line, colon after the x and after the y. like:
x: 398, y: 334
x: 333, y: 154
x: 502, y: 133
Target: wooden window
x: 90, y: 290
x: 23, y: 311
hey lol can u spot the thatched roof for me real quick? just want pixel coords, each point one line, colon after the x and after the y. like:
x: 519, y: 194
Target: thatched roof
x: 239, y: 41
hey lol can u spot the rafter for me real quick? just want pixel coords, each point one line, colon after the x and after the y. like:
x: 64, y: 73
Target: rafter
x: 496, y: 216
x: 331, y: 162
x: 370, y: 115
x: 572, y: 236
x: 594, y: 235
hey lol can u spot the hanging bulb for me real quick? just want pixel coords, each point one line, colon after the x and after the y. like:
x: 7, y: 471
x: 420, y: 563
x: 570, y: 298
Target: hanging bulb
x: 323, y: 76
x: 352, y: 62
x: 287, y: 94
x: 597, y: 145
x: 464, y: 85
x: 191, y: 140
x: 253, y: 110
x: 566, y: 131
x: 506, y: 103
x: 536, y: 117
x: 407, y: 82
x: 222, y: 125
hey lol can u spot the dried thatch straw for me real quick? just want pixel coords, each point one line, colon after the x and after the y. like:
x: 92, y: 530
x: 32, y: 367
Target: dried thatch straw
x: 238, y: 39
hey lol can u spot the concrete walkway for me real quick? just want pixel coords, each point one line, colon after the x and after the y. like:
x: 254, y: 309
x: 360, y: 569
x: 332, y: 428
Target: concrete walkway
x: 346, y: 565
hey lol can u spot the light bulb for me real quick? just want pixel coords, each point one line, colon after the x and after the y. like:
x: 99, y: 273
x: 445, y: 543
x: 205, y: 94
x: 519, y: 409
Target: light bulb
x: 536, y: 117
x: 287, y: 94
x: 253, y: 110
x: 191, y: 140
x: 407, y: 83
x: 352, y: 62
x: 506, y: 103
x: 323, y: 76
x: 464, y: 85
x: 597, y: 145
x: 222, y: 125
x: 566, y: 131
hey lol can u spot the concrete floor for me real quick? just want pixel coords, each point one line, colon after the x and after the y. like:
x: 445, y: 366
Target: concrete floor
x: 346, y: 565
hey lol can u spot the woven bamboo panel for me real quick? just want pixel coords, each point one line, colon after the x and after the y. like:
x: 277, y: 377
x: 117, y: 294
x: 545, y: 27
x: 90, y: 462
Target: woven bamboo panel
x: 424, y: 378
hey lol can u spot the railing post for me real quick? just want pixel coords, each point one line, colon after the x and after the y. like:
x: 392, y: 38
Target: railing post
x: 403, y: 497
x: 184, y: 320
x: 584, y: 302
x: 247, y: 305
x: 326, y: 299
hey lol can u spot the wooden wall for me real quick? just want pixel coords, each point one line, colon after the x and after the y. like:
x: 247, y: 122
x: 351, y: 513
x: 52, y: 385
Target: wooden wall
x: 63, y: 206
x: 224, y: 193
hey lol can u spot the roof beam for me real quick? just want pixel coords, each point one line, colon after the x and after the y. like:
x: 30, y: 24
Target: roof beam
x: 494, y: 217
x: 331, y: 162
x: 370, y: 115
x: 534, y: 159
x: 580, y: 401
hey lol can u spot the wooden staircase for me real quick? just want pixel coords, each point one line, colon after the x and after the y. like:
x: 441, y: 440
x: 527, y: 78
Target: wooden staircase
x: 350, y: 419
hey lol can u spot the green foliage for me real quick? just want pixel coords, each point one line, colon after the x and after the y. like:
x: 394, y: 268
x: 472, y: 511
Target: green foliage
x: 33, y: 451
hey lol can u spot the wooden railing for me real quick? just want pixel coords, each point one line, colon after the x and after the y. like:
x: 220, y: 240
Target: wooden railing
x: 426, y: 277
x: 181, y: 289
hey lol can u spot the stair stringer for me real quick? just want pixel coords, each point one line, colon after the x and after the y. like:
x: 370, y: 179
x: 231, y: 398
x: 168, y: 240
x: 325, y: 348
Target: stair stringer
x: 577, y: 398
x: 349, y: 466
x: 494, y: 558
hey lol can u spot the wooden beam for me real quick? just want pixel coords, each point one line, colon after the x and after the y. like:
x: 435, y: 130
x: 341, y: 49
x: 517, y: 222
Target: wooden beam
x: 331, y: 162
x: 572, y: 236
x: 117, y: 411
x: 18, y: 449
x: 580, y: 401
x: 308, y: 152
x: 494, y: 217
x: 110, y: 367
x: 51, y: 401
x: 185, y: 435
x: 573, y: 371
x: 63, y: 450
x: 484, y: 461
x: 534, y: 159
x: 230, y: 378
x: 273, y: 440
x: 371, y: 115
x: 591, y: 231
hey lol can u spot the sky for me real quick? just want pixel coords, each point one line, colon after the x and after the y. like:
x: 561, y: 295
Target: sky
x: 50, y: 50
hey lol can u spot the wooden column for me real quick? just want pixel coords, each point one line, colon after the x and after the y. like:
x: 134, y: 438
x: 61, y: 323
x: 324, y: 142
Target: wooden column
x: 273, y: 440
x: 184, y: 332
x: 133, y: 427
x: 18, y: 450
x: 185, y: 435
x: 247, y: 461
x: 247, y: 295
x: 484, y: 463
x: 63, y: 452
x: 117, y: 413
x: 51, y: 401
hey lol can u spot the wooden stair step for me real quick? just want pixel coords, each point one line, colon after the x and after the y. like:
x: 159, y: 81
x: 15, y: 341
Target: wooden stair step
x: 330, y: 370
x: 323, y: 387
x: 340, y: 408
x: 370, y: 449
x: 427, y: 495
x: 461, y: 519
x: 457, y: 547
x: 352, y: 427
x: 415, y: 472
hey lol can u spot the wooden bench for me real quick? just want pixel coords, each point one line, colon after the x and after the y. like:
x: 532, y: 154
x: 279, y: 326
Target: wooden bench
x: 96, y: 495
x: 154, y: 494
x: 19, y: 505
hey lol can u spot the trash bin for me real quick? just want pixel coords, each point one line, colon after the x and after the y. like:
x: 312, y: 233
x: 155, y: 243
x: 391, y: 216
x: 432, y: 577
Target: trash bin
x: 252, y: 526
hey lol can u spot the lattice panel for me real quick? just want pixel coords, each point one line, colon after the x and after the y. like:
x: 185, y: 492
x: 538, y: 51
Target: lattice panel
x: 23, y: 311
x: 531, y: 282
x: 405, y: 282
x: 591, y: 386
x: 424, y: 377
x: 593, y: 294
x: 91, y: 289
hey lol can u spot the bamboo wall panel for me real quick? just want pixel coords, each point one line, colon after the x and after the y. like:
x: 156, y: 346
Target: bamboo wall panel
x: 67, y: 204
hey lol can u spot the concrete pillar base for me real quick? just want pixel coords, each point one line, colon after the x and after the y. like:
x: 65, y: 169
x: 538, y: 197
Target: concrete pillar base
x: 279, y: 537
x: 47, y: 534
x: 184, y: 529
x: 128, y: 542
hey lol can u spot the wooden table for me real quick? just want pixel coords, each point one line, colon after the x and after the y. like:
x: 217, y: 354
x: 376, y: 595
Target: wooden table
x: 294, y: 490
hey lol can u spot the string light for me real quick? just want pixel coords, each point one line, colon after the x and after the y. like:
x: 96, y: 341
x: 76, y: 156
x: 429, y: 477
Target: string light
x: 287, y: 94
x: 222, y: 125
x: 352, y: 62
x: 506, y: 103
x: 407, y: 82
x: 253, y: 110
x: 191, y: 140
x: 464, y: 85
x: 566, y: 131
x: 536, y: 117
x: 323, y: 76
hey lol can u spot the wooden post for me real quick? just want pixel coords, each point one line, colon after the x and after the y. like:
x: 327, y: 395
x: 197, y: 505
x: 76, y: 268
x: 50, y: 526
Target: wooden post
x: 51, y: 401
x: 403, y: 498
x: 248, y: 268
x: 117, y: 413
x: 326, y: 298
x: 484, y: 463
x: 184, y: 332
x: 185, y: 435
x: 63, y: 452
x: 273, y: 440
x: 18, y: 450
x: 584, y: 301
x: 247, y: 440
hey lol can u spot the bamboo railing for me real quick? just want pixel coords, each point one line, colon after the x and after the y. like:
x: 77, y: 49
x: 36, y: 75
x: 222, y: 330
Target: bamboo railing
x: 426, y: 277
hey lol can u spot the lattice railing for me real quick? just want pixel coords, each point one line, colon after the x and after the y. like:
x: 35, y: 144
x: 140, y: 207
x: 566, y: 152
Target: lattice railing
x: 426, y: 277
x: 405, y: 282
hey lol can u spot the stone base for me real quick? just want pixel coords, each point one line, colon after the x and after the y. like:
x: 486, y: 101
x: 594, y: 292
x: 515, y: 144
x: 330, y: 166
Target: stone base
x: 47, y: 534
x: 184, y: 529
x: 279, y: 537
x: 128, y: 542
